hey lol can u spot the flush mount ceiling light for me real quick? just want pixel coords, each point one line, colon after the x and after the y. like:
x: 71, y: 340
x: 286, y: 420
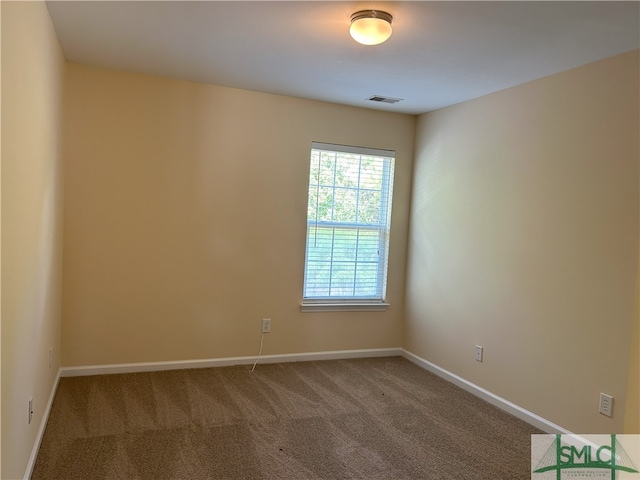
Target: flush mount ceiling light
x: 370, y: 27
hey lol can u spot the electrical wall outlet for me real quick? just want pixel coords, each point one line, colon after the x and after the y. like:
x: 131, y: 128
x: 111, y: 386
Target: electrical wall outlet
x: 30, y: 410
x: 478, y: 353
x: 606, y: 405
x: 266, y: 325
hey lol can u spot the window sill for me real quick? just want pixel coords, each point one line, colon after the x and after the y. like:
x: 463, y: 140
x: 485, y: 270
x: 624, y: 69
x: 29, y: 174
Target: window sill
x: 344, y: 307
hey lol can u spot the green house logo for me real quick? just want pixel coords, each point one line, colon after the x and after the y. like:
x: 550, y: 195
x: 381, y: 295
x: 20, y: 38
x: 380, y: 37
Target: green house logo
x: 586, y: 459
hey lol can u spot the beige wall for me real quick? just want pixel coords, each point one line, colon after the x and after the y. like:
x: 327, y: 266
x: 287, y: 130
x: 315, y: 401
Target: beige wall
x: 632, y: 416
x: 185, y: 214
x: 32, y: 73
x: 524, y: 239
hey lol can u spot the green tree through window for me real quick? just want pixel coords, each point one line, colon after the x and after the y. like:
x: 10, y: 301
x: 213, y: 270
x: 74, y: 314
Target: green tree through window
x: 348, y: 221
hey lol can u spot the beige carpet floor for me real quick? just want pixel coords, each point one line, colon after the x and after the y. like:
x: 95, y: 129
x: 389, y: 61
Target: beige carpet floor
x: 380, y: 418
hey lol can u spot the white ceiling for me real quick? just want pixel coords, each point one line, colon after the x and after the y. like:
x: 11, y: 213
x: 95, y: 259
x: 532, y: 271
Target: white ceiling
x: 440, y: 53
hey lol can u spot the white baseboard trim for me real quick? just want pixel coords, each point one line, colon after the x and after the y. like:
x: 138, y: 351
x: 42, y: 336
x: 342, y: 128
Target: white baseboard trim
x: 503, y: 404
x: 225, y: 362
x: 41, y: 428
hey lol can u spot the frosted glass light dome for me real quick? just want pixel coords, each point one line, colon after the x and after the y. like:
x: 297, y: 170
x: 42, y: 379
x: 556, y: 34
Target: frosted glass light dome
x: 370, y: 27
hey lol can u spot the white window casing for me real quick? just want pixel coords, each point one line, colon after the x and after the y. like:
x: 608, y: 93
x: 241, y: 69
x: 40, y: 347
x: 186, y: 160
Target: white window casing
x: 348, y: 225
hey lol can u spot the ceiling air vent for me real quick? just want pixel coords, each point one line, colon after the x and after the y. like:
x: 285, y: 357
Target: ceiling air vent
x: 381, y: 99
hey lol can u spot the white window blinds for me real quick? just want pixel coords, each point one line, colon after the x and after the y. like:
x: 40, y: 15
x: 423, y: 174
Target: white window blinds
x: 348, y: 221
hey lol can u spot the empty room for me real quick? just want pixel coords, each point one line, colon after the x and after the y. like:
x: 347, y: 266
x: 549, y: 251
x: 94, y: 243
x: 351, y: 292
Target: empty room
x: 319, y: 240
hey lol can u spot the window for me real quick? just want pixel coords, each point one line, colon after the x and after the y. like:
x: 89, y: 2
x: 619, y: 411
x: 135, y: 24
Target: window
x: 348, y: 221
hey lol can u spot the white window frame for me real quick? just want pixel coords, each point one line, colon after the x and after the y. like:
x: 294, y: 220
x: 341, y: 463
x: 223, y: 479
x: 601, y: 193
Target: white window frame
x: 353, y: 303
